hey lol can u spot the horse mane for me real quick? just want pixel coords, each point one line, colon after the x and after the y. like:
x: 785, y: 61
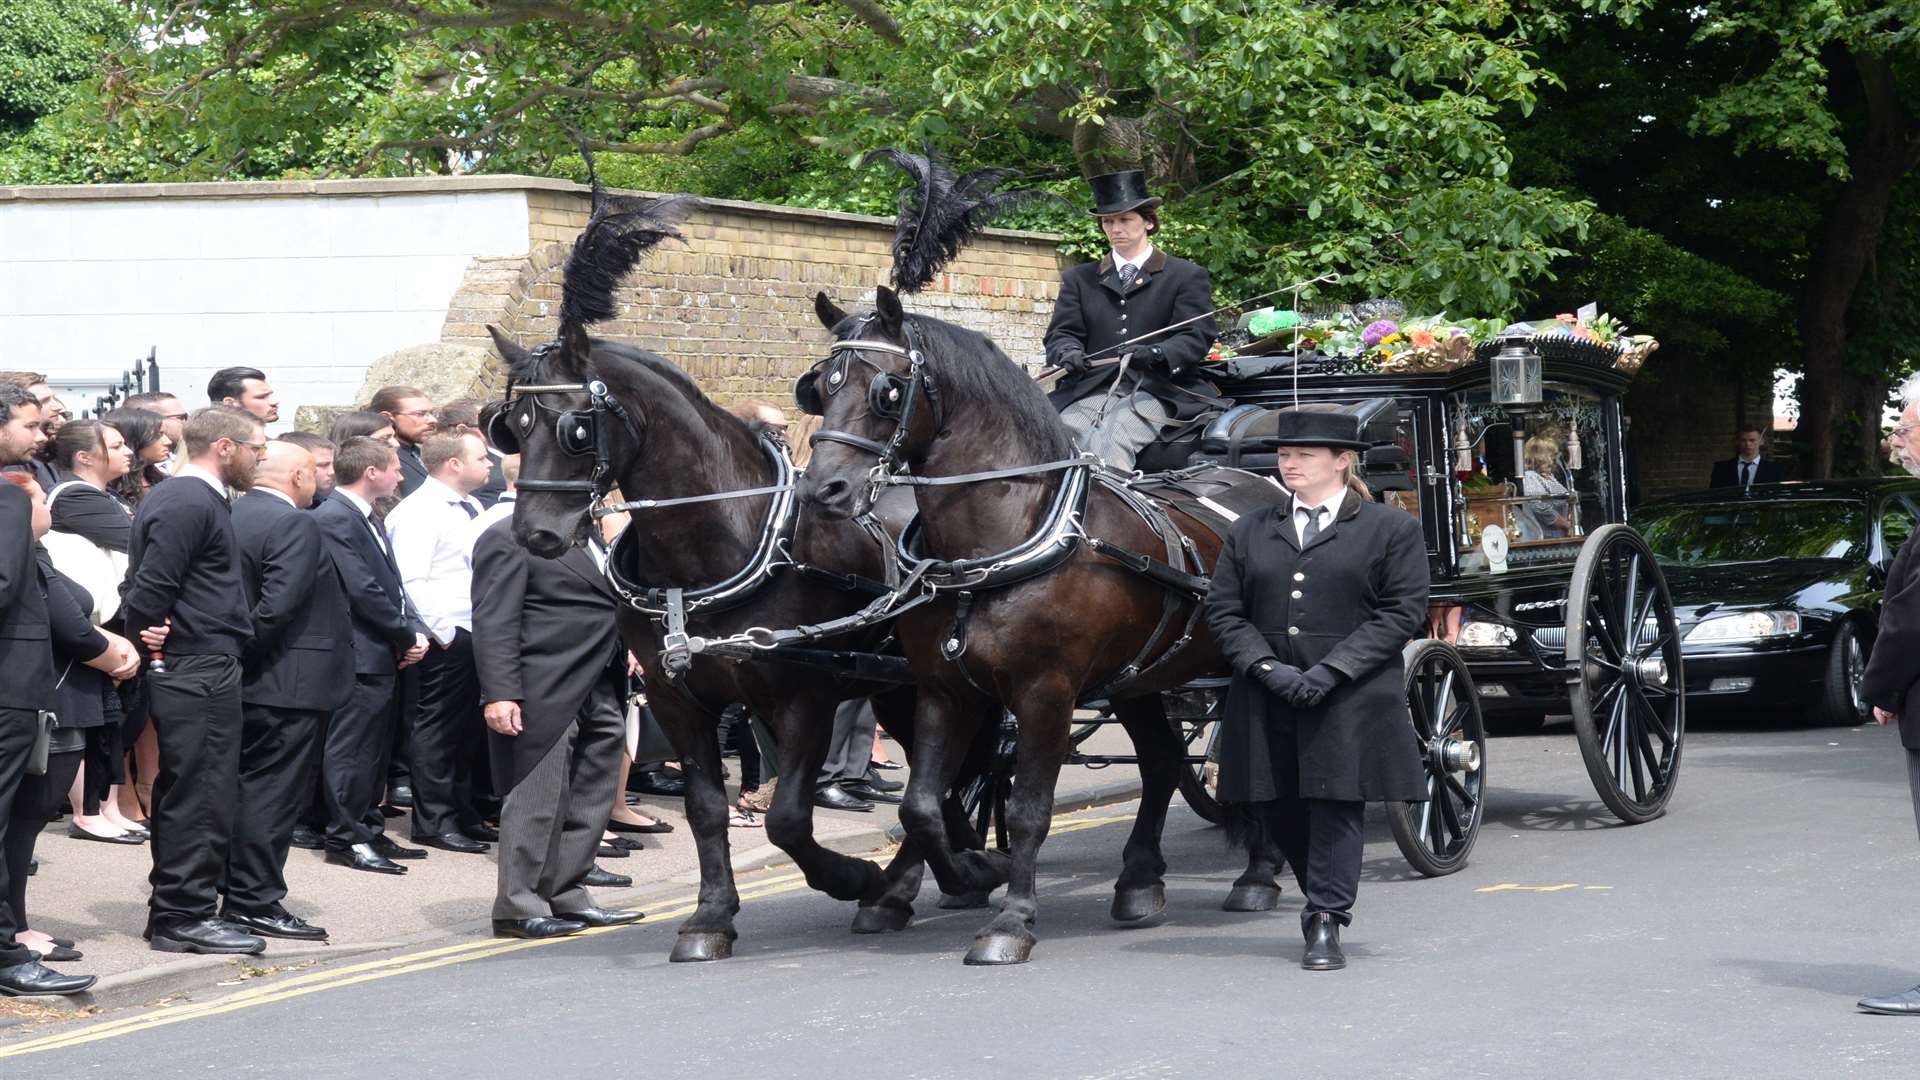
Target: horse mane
x: 940, y: 212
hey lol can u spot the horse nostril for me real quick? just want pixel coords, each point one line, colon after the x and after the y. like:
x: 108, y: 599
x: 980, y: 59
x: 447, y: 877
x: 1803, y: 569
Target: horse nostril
x: 832, y: 491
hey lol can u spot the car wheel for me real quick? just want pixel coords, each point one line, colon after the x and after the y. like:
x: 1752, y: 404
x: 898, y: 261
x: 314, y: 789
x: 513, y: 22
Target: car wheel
x: 1840, y: 700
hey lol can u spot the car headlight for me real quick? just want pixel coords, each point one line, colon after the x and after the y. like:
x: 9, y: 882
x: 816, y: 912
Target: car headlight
x: 1486, y: 635
x: 1745, y: 626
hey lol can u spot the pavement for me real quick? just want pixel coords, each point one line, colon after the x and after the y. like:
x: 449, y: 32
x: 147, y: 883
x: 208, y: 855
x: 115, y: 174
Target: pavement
x: 1727, y: 939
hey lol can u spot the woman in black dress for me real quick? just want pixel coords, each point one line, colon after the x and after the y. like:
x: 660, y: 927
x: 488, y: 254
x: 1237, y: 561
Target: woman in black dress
x: 1312, y: 602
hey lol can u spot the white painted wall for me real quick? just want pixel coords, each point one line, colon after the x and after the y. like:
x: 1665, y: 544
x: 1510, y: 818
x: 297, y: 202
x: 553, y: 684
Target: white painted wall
x: 310, y: 288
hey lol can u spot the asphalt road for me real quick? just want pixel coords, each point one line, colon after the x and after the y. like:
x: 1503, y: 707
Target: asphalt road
x: 1728, y: 939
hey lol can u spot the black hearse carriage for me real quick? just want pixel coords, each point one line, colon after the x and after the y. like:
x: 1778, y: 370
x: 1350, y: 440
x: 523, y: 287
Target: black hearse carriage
x: 1510, y: 453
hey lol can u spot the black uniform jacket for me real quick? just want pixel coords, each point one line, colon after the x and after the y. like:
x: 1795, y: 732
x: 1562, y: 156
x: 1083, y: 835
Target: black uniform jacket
x: 1727, y: 473
x: 1894, y: 668
x: 1092, y: 316
x: 301, y: 655
x: 383, y: 623
x: 1351, y: 600
x: 413, y: 469
x: 543, y: 635
x: 26, y: 644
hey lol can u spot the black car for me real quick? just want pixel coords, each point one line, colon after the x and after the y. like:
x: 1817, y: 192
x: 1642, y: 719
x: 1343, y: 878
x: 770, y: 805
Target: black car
x: 1776, y: 588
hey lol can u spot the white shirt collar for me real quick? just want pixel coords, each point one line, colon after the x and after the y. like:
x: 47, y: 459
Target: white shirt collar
x: 445, y: 493
x: 284, y: 497
x: 360, y: 504
x: 1145, y: 254
x: 1754, y: 460
x: 1331, y: 505
x: 208, y: 478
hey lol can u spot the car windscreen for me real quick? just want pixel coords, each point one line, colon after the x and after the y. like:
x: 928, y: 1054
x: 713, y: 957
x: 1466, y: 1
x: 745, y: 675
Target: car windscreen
x: 1700, y: 535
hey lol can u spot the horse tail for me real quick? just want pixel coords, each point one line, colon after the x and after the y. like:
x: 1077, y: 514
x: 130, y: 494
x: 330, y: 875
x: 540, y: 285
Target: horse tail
x: 620, y: 230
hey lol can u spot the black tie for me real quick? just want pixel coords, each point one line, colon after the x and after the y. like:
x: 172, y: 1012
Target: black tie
x: 468, y: 507
x: 1312, y: 530
x: 1127, y: 272
x: 1746, y: 474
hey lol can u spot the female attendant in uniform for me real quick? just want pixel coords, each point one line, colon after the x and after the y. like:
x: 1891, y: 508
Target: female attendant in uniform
x: 1312, y: 602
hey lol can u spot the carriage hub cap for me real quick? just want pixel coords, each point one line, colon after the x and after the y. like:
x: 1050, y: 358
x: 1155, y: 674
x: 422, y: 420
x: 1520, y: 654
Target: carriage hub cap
x: 1653, y: 669
x: 1459, y: 755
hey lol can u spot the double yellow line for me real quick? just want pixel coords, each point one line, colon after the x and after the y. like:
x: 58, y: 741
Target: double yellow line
x: 387, y: 967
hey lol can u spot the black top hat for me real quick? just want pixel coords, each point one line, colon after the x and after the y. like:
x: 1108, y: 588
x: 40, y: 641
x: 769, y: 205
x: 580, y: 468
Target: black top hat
x: 1323, y: 425
x: 1117, y: 193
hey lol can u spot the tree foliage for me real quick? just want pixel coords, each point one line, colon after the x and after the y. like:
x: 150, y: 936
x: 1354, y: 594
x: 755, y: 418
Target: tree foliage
x: 47, y: 47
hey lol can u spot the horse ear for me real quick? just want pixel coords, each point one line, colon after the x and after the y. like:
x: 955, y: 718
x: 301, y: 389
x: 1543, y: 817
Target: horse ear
x: 574, y: 357
x: 512, y: 353
x: 829, y: 312
x: 892, y: 316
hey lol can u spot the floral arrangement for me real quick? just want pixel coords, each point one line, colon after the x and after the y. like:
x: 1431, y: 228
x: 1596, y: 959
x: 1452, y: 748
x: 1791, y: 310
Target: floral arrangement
x: 1442, y: 343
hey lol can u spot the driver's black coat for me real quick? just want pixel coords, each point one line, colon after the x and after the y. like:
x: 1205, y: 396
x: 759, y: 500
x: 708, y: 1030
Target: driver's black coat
x: 1094, y: 317
x: 1354, y: 597
x: 1892, y: 678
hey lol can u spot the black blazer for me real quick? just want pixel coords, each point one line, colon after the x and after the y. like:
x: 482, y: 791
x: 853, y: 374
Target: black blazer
x: 1092, y: 316
x: 1727, y: 473
x: 82, y: 691
x: 26, y: 644
x: 382, y: 620
x: 543, y: 635
x: 86, y: 511
x: 1893, y: 669
x: 413, y: 470
x: 301, y: 655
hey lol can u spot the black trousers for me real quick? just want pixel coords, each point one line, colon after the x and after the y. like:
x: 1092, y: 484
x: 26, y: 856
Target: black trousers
x: 35, y: 803
x: 16, y: 743
x: 278, y: 750
x: 1322, y: 840
x: 445, y: 733
x: 196, y: 713
x: 400, y: 752
x: 353, y: 761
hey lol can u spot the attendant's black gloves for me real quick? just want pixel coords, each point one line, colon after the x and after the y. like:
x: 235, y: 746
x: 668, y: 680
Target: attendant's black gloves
x: 1313, y: 686
x: 1076, y: 361
x: 1279, y: 679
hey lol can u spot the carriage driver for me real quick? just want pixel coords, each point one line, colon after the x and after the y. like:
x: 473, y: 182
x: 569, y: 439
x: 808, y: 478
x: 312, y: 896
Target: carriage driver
x: 1134, y: 290
x: 1312, y: 602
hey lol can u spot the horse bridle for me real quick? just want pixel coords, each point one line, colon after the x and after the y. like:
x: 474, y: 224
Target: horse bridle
x: 577, y: 433
x: 891, y: 396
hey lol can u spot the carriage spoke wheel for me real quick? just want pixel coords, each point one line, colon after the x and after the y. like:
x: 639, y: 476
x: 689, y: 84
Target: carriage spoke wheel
x: 1199, y: 779
x: 1436, y: 835
x: 1624, y: 674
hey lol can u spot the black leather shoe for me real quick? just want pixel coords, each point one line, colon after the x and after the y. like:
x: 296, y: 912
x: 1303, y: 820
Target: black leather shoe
x: 309, y: 839
x: 624, y: 843
x: 879, y: 783
x: 281, y: 925
x: 400, y: 795
x: 888, y: 765
x: 363, y: 857
x: 608, y: 851
x: 1904, y: 1003
x: 1323, y: 945
x: 599, y: 916
x: 79, y: 833
x: 204, y: 936
x: 58, y: 954
x: 540, y: 926
x: 835, y: 797
x: 629, y: 827
x: 452, y: 841
x: 388, y: 848
x: 482, y: 832
x: 860, y: 789
x: 657, y: 782
x: 600, y: 879
x: 22, y: 980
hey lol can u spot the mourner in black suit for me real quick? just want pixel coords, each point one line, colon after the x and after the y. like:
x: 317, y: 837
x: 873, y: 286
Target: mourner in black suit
x: 298, y: 668
x: 552, y: 671
x: 1104, y: 307
x: 1747, y: 467
x: 183, y: 582
x: 413, y: 420
x: 1312, y: 602
x: 386, y: 637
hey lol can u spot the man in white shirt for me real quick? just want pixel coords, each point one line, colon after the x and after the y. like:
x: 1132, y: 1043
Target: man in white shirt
x: 1747, y: 468
x: 431, y: 533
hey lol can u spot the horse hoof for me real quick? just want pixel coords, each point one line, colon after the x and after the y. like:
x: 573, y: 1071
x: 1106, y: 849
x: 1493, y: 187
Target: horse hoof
x: 881, y: 919
x: 995, y: 949
x: 964, y: 901
x: 1253, y: 896
x: 1135, y: 906
x: 701, y: 947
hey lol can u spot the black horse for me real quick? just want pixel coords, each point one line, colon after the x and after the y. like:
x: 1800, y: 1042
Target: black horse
x: 585, y: 414
x: 912, y: 394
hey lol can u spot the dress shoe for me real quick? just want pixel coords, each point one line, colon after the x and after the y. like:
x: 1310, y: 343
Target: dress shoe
x: 391, y: 812
x: 599, y: 916
x: 1323, y: 944
x: 204, y: 936
x: 21, y: 980
x: 387, y: 847
x: 540, y: 926
x: 616, y: 825
x: 480, y: 832
x: 625, y: 843
x: 452, y: 841
x: 608, y: 851
x: 889, y: 765
x: 363, y: 857
x: 879, y: 783
x: 1904, y: 1003
x: 310, y: 839
x: 400, y: 795
x: 79, y: 833
x: 57, y: 954
x: 657, y: 782
x: 600, y: 879
x: 859, y: 789
x: 280, y: 925
x: 835, y: 797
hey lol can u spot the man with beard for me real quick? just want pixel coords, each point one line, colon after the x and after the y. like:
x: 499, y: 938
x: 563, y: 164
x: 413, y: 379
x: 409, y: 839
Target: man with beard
x: 411, y: 412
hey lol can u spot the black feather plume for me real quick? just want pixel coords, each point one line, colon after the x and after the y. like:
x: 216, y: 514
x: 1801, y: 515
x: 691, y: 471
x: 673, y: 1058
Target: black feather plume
x: 941, y: 212
x: 620, y: 230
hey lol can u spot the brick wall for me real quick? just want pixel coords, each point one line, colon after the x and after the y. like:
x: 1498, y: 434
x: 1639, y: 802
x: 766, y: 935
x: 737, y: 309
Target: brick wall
x: 1684, y: 420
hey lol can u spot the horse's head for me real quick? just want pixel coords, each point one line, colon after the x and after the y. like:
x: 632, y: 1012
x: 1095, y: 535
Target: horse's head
x: 564, y: 423
x: 879, y: 406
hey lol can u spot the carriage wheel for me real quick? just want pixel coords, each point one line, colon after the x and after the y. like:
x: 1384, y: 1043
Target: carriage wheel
x: 1199, y: 775
x: 1436, y: 835
x: 1624, y: 674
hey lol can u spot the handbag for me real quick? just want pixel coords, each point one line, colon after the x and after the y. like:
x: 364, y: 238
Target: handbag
x: 647, y: 742
x: 99, y: 570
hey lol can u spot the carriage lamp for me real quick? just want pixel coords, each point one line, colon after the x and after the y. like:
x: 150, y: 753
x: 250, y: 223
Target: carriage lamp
x: 1516, y: 373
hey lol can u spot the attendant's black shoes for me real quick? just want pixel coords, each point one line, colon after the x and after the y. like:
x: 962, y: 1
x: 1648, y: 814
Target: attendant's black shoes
x: 600, y: 879
x: 310, y: 839
x: 657, y: 782
x: 1904, y: 1003
x: 835, y: 797
x: 540, y: 926
x: 452, y: 841
x: 482, y: 832
x: 388, y: 848
x: 204, y: 936
x: 282, y: 925
x: 629, y: 827
x: 598, y: 916
x: 1323, y: 944
x: 400, y: 795
x: 879, y: 783
x: 364, y: 857
x: 25, y: 980
x: 860, y: 789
